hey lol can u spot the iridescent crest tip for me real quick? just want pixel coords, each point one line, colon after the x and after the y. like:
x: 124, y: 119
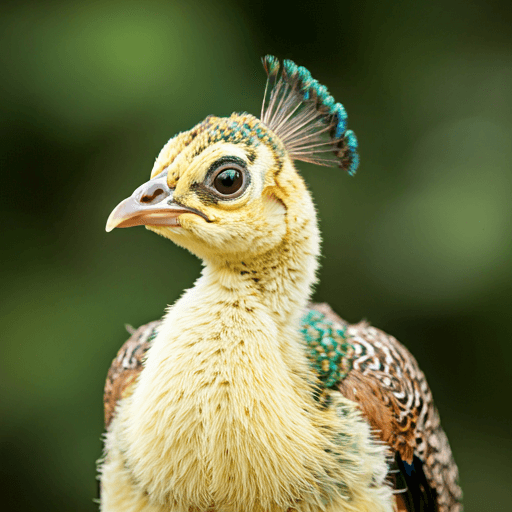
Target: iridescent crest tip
x: 271, y: 65
x: 311, y: 125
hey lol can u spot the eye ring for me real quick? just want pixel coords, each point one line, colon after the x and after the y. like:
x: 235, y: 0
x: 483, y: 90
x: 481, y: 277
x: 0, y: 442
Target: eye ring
x: 229, y: 180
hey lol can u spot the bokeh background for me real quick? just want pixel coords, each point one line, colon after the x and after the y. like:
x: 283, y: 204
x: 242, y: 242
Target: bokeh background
x: 418, y: 243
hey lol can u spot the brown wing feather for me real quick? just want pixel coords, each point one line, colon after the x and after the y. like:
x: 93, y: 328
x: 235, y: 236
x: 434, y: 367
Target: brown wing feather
x: 125, y: 368
x: 393, y: 394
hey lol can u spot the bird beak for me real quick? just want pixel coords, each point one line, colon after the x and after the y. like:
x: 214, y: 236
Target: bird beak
x: 150, y: 205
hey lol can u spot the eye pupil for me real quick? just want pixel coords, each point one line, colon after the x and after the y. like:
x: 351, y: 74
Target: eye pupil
x: 228, y: 181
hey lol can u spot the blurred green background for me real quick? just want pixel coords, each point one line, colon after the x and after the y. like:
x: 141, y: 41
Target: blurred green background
x: 418, y: 243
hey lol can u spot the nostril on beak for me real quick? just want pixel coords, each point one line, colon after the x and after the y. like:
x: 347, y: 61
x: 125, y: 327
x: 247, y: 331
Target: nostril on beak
x: 150, y: 198
x: 153, y: 194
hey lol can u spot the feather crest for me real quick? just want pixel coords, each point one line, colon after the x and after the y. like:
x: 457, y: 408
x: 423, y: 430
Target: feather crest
x: 302, y: 113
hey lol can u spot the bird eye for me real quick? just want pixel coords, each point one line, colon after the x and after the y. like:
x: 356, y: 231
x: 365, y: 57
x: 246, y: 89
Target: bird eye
x: 229, y: 181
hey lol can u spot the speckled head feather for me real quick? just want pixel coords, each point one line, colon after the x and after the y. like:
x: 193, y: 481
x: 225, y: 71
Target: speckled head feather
x: 302, y: 113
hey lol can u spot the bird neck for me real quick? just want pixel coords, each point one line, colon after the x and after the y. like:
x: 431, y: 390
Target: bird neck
x: 280, y: 279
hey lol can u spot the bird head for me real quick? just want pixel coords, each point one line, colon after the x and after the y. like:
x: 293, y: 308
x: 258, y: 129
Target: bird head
x: 228, y: 188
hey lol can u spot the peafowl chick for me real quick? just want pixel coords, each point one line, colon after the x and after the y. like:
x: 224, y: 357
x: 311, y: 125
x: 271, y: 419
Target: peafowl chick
x: 245, y: 396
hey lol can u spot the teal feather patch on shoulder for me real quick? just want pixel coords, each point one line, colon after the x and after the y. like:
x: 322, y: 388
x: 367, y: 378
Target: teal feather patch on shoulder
x: 329, y: 350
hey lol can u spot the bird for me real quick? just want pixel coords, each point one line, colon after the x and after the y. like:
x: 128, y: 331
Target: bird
x: 245, y: 395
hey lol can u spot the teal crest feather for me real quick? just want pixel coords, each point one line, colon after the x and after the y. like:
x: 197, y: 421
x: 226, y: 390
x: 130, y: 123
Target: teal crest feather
x: 312, y: 126
x: 329, y: 351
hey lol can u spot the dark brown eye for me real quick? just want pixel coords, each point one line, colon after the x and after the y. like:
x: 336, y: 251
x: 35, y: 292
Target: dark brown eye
x: 228, y: 181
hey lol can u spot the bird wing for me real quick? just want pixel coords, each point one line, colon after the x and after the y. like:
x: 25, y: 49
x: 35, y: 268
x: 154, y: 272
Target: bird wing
x: 384, y: 379
x: 393, y: 394
x: 126, y: 367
